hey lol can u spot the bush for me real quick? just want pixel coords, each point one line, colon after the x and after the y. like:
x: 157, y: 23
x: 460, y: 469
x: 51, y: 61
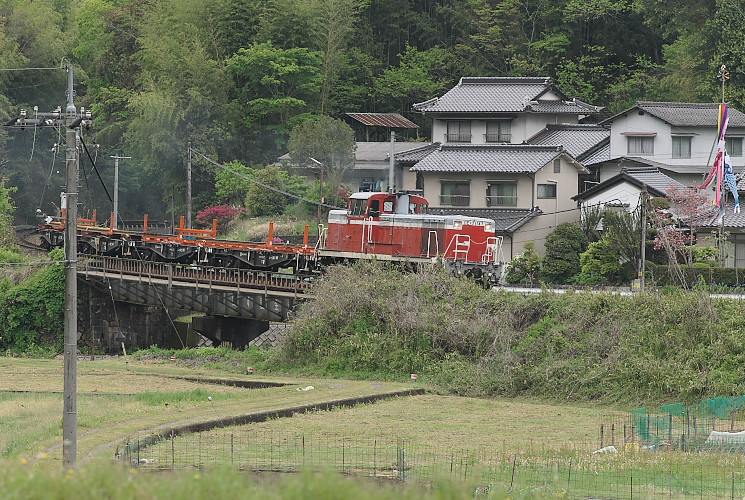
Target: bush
x: 223, y: 213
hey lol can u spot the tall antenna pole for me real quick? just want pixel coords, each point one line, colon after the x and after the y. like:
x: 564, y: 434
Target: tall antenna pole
x: 188, y: 186
x: 70, y: 417
x: 115, y: 222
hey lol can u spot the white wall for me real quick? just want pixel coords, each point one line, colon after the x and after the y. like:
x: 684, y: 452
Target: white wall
x: 524, y: 126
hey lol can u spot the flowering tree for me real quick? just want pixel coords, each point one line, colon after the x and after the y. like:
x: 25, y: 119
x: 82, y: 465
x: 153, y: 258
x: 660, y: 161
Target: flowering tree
x: 676, y: 225
x: 223, y: 213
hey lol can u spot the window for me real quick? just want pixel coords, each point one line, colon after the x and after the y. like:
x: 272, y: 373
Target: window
x: 498, y: 131
x: 501, y: 194
x: 387, y: 207
x: 733, y: 145
x: 357, y: 207
x: 641, y: 145
x: 557, y: 166
x: 547, y: 191
x: 458, y: 131
x: 681, y: 146
x: 455, y: 193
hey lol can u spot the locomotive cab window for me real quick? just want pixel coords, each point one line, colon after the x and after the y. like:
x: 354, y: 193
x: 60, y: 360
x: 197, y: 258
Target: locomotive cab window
x: 412, y: 208
x: 374, y: 208
x: 357, y: 208
x: 388, y: 207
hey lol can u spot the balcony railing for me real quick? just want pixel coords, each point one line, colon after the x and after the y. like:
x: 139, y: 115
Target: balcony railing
x: 455, y: 200
x: 501, y: 201
x: 497, y: 137
x: 457, y: 137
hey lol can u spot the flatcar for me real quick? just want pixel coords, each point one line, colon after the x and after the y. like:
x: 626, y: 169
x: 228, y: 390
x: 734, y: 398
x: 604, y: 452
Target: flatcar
x: 394, y: 227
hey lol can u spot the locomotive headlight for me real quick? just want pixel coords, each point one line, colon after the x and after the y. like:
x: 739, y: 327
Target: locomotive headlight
x: 489, y: 227
x: 458, y: 224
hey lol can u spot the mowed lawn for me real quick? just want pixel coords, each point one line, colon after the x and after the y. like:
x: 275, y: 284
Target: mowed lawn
x: 119, y: 401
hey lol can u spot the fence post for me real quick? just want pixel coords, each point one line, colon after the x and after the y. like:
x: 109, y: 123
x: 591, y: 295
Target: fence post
x: 613, y: 434
x: 375, y: 458
x: 569, y: 475
x: 601, y: 434
x: 173, y: 453
x: 303, y: 450
x: 670, y: 429
x: 232, y: 449
x: 514, y: 464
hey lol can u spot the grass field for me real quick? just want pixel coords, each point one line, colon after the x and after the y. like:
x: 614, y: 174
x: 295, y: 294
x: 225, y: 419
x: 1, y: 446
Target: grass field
x: 541, y: 448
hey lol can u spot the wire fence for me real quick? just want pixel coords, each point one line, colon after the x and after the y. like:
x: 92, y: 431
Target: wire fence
x: 714, y: 424
x: 579, y: 472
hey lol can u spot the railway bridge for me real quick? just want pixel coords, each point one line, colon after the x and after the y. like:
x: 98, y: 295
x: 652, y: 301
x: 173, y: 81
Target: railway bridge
x: 142, y: 299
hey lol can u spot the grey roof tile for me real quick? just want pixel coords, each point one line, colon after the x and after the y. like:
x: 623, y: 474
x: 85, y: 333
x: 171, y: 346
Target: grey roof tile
x: 417, y: 154
x: 685, y: 114
x: 578, y: 140
x: 512, y: 158
x: 504, y: 95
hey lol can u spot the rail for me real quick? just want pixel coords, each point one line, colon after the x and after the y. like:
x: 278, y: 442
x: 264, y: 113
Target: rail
x: 200, y: 275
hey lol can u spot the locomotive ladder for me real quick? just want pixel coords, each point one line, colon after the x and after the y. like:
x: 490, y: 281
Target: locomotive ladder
x: 462, y: 245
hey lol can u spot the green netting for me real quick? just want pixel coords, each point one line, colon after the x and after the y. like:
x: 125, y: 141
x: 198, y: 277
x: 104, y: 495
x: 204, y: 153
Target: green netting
x: 674, y: 409
x: 719, y: 407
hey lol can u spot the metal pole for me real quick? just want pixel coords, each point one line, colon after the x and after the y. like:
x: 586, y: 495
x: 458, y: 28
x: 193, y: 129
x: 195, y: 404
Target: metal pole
x: 70, y: 417
x: 116, y: 187
x: 116, y: 192
x: 643, y: 220
x: 188, y: 187
x: 391, y: 171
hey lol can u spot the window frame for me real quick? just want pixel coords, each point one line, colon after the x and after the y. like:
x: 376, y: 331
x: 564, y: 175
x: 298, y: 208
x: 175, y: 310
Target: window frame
x: 640, y: 140
x: 501, y: 200
x: 503, y: 134
x: 463, y: 135
x: 729, y: 146
x: 454, y: 199
x: 679, y: 143
x: 544, y: 196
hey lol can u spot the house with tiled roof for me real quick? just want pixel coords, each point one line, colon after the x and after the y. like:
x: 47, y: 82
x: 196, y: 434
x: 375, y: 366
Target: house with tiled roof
x: 497, y: 158
x: 526, y: 189
x: 676, y: 138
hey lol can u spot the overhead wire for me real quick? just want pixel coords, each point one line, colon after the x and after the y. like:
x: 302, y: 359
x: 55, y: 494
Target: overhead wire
x: 271, y: 188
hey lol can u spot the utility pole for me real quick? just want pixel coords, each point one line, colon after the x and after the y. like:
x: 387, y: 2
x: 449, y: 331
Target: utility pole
x: 71, y: 120
x: 116, y: 187
x: 320, y: 188
x: 643, y: 220
x: 392, y: 162
x: 188, y: 185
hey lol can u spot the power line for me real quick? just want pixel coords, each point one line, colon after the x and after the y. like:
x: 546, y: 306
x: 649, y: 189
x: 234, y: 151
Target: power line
x: 245, y: 177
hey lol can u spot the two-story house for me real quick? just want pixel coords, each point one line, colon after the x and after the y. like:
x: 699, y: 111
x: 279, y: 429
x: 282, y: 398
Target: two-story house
x: 665, y: 144
x: 497, y: 159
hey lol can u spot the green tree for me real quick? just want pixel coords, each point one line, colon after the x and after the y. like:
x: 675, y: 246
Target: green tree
x: 420, y: 75
x: 525, y: 267
x: 261, y: 200
x: 328, y: 140
x: 563, y: 247
x: 601, y: 260
x: 274, y: 84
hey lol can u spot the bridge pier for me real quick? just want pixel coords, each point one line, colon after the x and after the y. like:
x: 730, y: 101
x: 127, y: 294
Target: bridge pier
x: 100, y: 320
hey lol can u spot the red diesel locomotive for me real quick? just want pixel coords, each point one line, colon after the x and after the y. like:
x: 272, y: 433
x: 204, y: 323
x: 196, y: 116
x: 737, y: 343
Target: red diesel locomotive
x: 397, y: 227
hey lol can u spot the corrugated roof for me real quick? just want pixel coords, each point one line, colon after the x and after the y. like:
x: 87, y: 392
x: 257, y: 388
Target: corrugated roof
x: 512, y: 158
x: 578, y: 140
x: 507, y: 221
x: 391, y: 120
x: 685, y: 114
